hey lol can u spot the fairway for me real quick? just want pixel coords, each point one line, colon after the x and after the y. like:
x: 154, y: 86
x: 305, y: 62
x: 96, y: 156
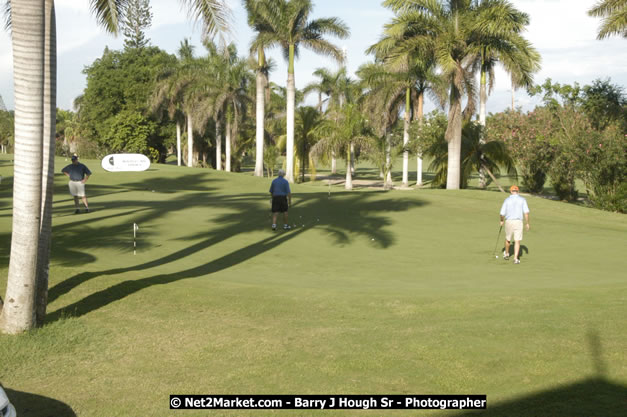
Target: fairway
x: 371, y: 292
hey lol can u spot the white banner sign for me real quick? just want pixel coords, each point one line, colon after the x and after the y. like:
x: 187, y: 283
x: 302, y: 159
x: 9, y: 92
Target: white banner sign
x: 125, y: 162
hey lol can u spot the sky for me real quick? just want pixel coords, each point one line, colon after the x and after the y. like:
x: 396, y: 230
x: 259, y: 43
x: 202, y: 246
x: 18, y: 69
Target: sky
x: 560, y: 30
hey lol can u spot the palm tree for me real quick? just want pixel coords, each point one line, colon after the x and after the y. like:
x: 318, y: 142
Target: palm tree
x: 323, y: 86
x: 501, y: 41
x: 47, y: 184
x: 448, y: 29
x: 262, y: 70
x: 378, y: 104
x: 476, y: 155
x: 232, y: 97
x: 342, y: 132
x: 286, y: 23
x: 614, y: 14
x: 307, y: 121
x: 169, y: 91
x: 30, y: 21
x: 338, y: 88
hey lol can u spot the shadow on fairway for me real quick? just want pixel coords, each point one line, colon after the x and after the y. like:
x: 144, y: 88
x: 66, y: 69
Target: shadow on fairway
x: 523, y: 249
x: 342, y: 218
x: 27, y: 404
x: 593, y: 396
x: 589, y: 397
x: 126, y: 288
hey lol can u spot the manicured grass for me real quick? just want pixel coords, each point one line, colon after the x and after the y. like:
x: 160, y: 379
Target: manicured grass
x: 378, y: 293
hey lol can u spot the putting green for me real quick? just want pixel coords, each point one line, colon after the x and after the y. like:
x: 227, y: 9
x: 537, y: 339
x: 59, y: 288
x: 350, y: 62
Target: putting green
x: 372, y: 292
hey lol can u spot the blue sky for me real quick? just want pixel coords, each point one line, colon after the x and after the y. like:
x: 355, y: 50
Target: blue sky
x: 560, y: 30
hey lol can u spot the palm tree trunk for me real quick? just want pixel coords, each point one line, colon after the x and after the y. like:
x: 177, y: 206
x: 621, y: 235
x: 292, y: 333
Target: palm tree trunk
x: 513, y: 90
x: 227, y: 152
x: 218, y: 145
x: 349, y: 178
x: 483, y: 97
x: 190, y: 142
x: 388, y: 163
x: 333, y: 163
x: 493, y: 178
x: 47, y: 185
x: 28, y: 40
x: 453, y: 136
x: 406, y: 138
x: 352, y: 159
x: 419, y: 116
x: 260, y: 92
x: 291, y: 91
x: 178, y: 143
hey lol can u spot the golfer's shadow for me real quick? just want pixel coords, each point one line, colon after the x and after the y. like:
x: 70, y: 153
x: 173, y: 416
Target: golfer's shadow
x: 523, y: 249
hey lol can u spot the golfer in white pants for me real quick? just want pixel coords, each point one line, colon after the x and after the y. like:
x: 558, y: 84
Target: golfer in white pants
x: 513, y: 211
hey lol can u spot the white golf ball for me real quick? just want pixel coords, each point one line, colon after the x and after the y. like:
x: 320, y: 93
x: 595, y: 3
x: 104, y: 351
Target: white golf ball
x: 497, y: 256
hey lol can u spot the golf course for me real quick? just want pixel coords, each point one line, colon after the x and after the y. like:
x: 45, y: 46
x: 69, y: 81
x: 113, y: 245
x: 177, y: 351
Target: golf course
x: 371, y: 292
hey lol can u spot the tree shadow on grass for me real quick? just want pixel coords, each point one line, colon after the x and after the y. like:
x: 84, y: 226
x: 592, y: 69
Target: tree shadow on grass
x: 593, y: 396
x: 27, y: 404
x: 342, y: 217
x: 126, y: 288
x: 588, y: 397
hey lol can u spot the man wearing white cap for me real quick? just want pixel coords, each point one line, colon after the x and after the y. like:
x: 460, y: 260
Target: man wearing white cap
x: 512, y: 212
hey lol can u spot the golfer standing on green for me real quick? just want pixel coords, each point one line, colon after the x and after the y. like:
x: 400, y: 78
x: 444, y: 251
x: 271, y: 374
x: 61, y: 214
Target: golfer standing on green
x: 281, y: 199
x: 512, y: 212
x: 78, y: 174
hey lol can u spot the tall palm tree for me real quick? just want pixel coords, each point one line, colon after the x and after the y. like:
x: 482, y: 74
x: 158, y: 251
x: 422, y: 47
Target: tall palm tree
x: 342, y: 132
x: 231, y: 96
x: 447, y: 28
x: 307, y: 121
x: 30, y: 21
x: 47, y: 183
x: 286, y: 23
x: 500, y: 41
x: 261, y: 70
x: 169, y: 91
x: 321, y: 87
x: 338, y: 88
x: 410, y: 72
x: 614, y: 14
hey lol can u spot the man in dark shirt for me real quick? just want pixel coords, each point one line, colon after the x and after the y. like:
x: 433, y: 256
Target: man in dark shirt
x: 78, y: 174
x: 281, y: 199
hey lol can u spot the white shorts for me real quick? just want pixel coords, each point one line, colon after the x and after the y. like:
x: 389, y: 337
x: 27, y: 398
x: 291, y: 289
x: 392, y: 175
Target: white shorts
x: 77, y: 188
x: 513, y: 228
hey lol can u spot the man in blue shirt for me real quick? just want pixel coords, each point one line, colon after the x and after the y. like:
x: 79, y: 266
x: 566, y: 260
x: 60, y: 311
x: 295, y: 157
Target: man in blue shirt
x: 78, y: 174
x: 512, y: 212
x: 281, y: 199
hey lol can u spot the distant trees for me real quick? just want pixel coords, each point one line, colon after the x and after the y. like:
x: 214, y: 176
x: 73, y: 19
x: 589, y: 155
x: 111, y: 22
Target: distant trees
x: 119, y: 85
x: 287, y: 24
x: 6, y: 130
x: 137, y: 18
x: 577, y: 134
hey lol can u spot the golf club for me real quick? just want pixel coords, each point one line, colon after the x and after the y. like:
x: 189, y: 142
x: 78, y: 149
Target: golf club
x: 497, y: 242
